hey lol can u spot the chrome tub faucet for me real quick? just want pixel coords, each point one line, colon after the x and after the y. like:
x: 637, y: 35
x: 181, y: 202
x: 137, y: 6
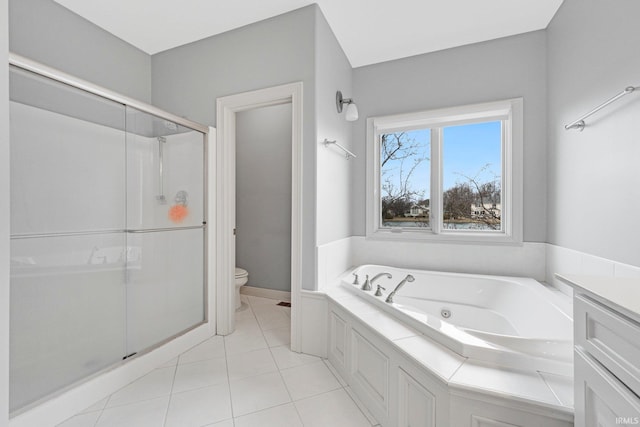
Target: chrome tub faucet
x: 369, y: 282
x: 377, y: 276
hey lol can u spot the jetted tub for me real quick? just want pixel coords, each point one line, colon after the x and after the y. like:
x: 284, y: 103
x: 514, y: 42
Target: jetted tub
x: 509, y: 321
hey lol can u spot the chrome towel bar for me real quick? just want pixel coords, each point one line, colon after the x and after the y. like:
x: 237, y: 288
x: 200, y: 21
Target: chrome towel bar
x: 348, y: 154
x: 580, y: 124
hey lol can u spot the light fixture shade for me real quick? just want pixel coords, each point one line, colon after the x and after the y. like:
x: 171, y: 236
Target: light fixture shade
x: 351, y: 115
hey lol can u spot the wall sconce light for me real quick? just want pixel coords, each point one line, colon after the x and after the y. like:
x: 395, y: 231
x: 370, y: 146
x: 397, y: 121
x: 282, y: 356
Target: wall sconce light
x: 351, y: 113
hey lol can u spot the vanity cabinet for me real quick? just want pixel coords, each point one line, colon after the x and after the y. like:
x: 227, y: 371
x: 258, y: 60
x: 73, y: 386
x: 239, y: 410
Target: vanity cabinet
x: 607, y: 351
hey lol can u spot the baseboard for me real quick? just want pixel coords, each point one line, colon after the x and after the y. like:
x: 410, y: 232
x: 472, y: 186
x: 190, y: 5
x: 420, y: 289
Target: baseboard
x: 265, y: 293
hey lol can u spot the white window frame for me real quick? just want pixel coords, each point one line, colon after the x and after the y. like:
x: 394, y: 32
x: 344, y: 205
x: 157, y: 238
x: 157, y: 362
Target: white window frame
x: 510, y: 111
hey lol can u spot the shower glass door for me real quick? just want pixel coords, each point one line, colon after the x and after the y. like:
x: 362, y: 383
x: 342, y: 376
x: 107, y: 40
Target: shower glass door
x: 67, y: 236
x: 107, y: 234
x: 165, y: 229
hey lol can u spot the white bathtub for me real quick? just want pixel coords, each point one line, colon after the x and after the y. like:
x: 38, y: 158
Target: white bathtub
x: 508, y: 321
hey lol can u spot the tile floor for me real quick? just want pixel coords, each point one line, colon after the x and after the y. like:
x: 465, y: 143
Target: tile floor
x: 248, y: 378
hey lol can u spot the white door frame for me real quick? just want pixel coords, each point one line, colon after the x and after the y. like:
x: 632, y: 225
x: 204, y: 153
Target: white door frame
x: 226, y: 108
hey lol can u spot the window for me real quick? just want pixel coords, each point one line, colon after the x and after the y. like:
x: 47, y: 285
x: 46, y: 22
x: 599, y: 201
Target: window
x: 451, y: 174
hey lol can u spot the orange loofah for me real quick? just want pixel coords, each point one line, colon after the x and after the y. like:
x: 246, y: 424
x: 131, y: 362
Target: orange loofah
x: 177, y: 213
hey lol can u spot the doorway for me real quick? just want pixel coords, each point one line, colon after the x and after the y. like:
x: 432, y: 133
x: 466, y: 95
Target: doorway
x: 263, y: 200
x: 230, y: 110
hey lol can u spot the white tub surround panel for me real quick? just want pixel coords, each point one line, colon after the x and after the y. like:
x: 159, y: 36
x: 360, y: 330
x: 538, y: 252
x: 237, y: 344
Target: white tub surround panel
x: 607, y: 349
x: 565, y: 261
x: 402, y: 376
x: 525, y: 260
x: 333, y: 259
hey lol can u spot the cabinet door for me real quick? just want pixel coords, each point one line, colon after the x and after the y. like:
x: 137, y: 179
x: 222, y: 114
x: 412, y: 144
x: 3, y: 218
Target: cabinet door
x: 416, y: 404
x: 602, y: 400
x: 338, y: 340
x: 369, y: 369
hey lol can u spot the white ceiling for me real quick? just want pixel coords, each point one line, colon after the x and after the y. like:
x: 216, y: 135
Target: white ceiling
x: 370, y: 31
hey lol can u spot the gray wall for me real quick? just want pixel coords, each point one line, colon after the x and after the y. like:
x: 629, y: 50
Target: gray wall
x: 263, y: 196
x: 188, y: 79
x: 46, y: 32
x: 4, y: 218
x: 499, y: 69
x: 333, y: 189
x: 594, y: 175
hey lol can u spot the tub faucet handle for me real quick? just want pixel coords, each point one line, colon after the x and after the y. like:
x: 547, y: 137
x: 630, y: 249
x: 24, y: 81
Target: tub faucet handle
x: 367, y: 284
x: 355, y: 281
x: 379, y: 292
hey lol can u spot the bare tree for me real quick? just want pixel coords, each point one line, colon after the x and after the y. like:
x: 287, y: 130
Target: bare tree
x: 399, y: 190
x: 484, y: 194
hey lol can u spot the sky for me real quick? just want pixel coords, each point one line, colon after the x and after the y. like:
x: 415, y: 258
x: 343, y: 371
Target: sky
x: 466, y: 150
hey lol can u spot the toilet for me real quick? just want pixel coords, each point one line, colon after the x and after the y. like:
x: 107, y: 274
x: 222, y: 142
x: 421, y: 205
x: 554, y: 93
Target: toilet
x: 242, y: 277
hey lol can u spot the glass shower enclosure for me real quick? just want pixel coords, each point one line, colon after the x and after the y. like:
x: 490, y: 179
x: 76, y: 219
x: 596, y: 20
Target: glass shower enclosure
x: 108, y: 232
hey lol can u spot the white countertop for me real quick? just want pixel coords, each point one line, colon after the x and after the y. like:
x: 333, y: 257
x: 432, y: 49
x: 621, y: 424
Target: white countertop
x: 622, y: 293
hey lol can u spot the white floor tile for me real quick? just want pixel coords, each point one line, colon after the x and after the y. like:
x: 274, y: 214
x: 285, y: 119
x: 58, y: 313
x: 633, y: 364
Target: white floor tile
x: 243, y: 306
x: 335, y: 409
x: 309, y: 380
x: 266, y: 310
x: 149, y: 413
x: 280, y: 416
x: 156, y: 383
x: 275, y: 323
x: 246, y: 326
x: 82, y: 420
x: 195, y: 375
x: 209, y: 349
x: 98, y: 406
x: 225, y: 423
x: 250, y: 364
x: 335, y: 373
x: 271, y: 317
x: 278, y: 337
x: 256, y: 393
x: 242, y: 343
x: 362, y: 408
x: 256, y: 301
x: 171, y: 363
x: 199, y: 407
x: 285, y: 358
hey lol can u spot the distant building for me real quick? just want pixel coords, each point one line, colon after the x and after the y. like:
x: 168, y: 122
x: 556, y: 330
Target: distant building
x: 489, y: 210
x: 417, y: 211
